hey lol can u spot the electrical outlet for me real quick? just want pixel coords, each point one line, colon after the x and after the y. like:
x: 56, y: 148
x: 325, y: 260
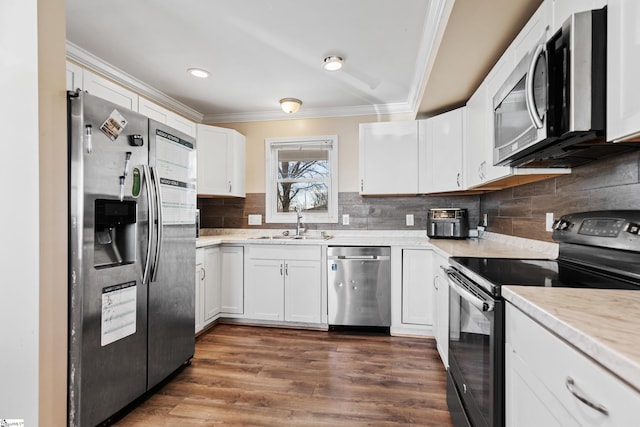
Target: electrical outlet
x: 255, y: 219
x: 549, y: 221
x: 409, y: 220
x: 345, y: 219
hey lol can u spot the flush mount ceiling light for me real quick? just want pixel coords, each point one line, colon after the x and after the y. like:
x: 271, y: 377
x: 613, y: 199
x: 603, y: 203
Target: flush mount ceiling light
x: 198, y: 72
x: 290, y: 105
x: 333, y: 63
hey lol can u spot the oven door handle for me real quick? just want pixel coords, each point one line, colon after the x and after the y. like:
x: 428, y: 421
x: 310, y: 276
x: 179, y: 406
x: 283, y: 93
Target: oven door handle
x: 458, y: 285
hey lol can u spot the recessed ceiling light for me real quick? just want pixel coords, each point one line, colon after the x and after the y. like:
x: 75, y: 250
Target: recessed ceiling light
x: 333, y: 63
x: 198, y: 72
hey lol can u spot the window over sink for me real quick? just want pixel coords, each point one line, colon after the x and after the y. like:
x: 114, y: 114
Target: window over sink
x: 302, y: 173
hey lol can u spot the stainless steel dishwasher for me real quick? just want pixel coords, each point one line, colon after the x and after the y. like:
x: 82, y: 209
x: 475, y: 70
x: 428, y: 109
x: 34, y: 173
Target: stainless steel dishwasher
x: 359, y: 281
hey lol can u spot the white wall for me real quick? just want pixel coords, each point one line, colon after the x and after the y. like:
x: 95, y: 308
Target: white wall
x: 19, y: 242
x: 33, y: 212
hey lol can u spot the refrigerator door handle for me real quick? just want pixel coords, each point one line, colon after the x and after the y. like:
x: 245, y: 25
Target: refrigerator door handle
x: 147, y: 263
x: 158, y: 207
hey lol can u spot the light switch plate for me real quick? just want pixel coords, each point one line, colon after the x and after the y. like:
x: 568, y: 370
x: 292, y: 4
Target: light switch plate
x: 409, y: 220
x: 345, y: 219
x: 255, y: 219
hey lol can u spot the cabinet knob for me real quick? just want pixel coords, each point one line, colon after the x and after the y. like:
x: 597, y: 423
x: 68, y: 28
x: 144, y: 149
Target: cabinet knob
x: 579, y: 394
x: 361, y: 185
x: 458, y: 180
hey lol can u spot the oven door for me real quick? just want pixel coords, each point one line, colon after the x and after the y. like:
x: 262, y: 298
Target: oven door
x: 520, y: 108
x: 475, y: 395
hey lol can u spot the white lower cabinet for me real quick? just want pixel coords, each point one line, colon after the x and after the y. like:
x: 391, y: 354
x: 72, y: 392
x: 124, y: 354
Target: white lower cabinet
x: 219, y: 283
x: 417, y: 292
x: 232, y: 279
x: 199, y: 300
x: 550, y: 383
x: 441, y: 307
x: 211, y: 268
x: 283, y: 283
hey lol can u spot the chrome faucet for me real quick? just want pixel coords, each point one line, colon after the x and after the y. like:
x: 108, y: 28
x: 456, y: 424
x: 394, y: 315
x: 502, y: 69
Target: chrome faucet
x: 299, y: 229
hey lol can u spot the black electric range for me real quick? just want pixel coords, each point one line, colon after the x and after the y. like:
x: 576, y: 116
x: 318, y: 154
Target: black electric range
x: 598, y: 249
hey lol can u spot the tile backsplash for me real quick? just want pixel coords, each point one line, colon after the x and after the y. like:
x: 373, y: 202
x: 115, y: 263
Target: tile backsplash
x: 612, y: 183
x: 365, y: 213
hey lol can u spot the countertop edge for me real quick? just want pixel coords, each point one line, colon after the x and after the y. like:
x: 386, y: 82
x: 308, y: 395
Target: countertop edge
x: 618, y: 364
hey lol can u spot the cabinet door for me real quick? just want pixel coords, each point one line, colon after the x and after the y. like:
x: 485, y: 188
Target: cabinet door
x: 417, y: 290
x: 389, y: 158
x: 221, y: 162
x: 444, y: 135
x: 74, y: 76
x: 232, y: 279
x: 238, y: 161
x: 106, y: 89
x: 214, y: 161
x: 265, y: 289
x: 199, y: 300
x: 441, y: 307
x: 211, y: 283
x: 476, y: 142
x: 153, y: 110
x: 623, y: 69
x: 302, y: 302
x: 529, y: 403
x: 182, y: 124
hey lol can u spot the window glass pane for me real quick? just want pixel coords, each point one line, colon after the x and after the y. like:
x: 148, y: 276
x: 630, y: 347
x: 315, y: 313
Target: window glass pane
x: 309, y: 196
x: 303, y: 164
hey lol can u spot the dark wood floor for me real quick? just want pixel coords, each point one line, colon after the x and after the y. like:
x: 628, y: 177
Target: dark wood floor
x: 254, y: 376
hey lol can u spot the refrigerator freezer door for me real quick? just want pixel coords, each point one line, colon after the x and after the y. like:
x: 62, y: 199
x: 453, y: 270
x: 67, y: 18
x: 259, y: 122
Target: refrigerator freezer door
x: 107, y: 250
x: 172, y: 285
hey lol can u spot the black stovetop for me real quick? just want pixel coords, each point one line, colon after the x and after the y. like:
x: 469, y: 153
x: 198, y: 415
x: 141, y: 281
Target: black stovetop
x: 539, y: 272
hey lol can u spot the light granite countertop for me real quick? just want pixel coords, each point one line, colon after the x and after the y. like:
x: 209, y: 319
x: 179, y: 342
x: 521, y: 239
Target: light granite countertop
x: 490, y: 245
x: 602, y: 323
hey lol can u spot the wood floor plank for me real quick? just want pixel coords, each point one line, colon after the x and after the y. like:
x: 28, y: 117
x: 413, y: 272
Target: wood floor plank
x: 263, y: 377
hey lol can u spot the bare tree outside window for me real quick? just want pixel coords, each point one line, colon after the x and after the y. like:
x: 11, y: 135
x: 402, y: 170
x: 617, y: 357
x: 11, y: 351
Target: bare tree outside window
x: 302, y: 180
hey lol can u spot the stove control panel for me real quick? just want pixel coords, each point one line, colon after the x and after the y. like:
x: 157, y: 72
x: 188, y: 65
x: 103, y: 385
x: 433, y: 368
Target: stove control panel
x: 614, y: 229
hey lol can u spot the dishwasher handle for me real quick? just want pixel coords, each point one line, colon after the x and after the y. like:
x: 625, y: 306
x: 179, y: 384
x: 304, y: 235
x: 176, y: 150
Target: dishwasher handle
x: 363, y: 257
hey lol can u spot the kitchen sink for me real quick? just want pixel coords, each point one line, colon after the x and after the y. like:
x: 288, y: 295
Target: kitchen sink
x: 282, y: 237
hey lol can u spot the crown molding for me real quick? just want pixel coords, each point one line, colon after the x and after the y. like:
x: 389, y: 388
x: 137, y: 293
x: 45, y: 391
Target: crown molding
x: 305, y: 113
x: 92, y: 62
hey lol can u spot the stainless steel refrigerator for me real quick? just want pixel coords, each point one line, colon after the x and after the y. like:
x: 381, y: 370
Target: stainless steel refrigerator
x: 132, y: 202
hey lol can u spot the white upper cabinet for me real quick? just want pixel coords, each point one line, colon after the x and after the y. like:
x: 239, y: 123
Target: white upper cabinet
x: 440, y: 149
x: 536, y: 31
x: 74, y: 76
x: 389, y: 158
x: 563, y: 9
x: 623, y: 70
x: 221, y: 162
x: 106, y: 89
x: 168, y: 117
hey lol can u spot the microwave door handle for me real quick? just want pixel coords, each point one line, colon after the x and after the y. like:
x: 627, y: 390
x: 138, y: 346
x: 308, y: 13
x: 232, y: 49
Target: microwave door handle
x: 529, y: 95
x: 456, y: 286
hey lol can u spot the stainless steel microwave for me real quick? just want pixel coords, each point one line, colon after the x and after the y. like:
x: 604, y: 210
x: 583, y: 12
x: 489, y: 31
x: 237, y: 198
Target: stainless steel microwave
x: 551, y: 110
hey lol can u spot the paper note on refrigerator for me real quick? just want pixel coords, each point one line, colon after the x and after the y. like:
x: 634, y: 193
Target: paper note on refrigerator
x: 118, y: 312
x: 174, y: 161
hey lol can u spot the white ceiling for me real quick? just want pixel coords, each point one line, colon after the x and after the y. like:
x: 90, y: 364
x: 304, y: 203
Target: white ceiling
x: 259, y: 51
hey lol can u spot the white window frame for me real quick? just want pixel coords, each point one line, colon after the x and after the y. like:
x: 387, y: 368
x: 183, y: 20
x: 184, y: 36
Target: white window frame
x: 271, y: 173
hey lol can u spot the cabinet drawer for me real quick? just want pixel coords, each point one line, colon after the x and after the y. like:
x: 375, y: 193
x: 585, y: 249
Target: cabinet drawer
x: 289, y: 252
x: 554, y: 362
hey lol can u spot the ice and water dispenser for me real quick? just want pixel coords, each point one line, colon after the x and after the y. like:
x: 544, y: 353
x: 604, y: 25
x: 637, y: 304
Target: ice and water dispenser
x: 115, y: 232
